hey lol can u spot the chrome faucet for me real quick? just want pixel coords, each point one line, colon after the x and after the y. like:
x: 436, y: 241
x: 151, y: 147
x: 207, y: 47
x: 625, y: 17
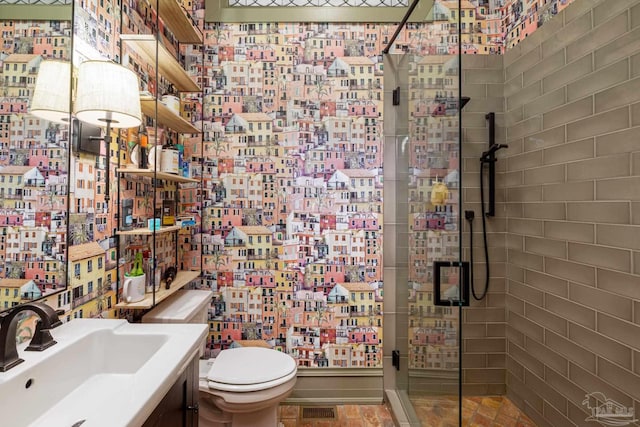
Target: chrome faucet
x: 41, y: 340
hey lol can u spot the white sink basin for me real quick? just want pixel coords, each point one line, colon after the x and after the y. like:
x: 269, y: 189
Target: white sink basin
x: 100, y: 373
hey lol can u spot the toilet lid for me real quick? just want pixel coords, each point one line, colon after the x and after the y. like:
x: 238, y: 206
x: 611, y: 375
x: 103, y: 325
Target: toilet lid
x: 250, y: 365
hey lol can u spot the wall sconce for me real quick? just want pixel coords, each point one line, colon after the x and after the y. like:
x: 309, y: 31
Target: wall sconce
x: 52, y: 93
x: 107, y: 94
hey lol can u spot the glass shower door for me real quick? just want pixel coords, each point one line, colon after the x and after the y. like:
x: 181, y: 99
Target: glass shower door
x: 423, y: 142
x: 435, y: 273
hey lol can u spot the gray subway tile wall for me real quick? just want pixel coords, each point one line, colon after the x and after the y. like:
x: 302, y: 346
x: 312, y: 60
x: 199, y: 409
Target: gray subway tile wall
x: 483, y: 331
x: 572, y: 212
x: 601, y: 79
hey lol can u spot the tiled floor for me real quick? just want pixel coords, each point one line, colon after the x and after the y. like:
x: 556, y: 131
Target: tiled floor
x: 488, y: 411
x: 494, y: 411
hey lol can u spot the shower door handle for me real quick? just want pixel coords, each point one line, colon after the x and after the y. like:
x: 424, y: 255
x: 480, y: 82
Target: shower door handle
x: 452, y: 295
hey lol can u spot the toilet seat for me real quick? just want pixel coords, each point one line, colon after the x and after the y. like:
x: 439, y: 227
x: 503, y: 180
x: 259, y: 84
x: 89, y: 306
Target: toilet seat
x: 250, y: 387
x: 248, y: 369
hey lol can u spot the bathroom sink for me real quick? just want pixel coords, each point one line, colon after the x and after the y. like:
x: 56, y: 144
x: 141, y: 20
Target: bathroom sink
x: 100, y: 373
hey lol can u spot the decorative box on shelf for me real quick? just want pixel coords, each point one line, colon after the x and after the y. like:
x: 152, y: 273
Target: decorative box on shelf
x: 154, y: 224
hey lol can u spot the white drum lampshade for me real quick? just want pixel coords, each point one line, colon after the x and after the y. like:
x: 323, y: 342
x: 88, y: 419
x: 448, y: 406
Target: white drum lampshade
x: 108, y: 93
x: 51, y: 95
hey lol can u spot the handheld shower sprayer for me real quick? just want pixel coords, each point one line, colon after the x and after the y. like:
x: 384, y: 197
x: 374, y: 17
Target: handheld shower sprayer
x: 488, y: 157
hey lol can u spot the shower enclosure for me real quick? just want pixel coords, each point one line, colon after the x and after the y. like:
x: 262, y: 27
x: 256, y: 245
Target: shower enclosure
x: 423, y: 271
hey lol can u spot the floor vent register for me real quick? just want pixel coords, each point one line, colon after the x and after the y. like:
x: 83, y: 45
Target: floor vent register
x: 319, y: 412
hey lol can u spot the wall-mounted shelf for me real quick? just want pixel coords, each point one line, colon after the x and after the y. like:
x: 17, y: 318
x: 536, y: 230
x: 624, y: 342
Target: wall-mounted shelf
x: 145, y: 46
x: 175, y: 17
x: 147, y: 232
x: 182, y: 278
x: 165, y: 116
x: 150, y: 173
x: 150, y: 51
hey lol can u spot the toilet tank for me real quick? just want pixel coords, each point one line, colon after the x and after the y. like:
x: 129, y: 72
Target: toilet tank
x: 187, y: 306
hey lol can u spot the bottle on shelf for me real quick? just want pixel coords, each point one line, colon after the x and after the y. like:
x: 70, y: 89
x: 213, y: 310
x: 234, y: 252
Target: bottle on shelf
x: 170, y: 156
x: 154, y: 156
x: 152, y: 283
x: 133, y: 148
x: 144, y: 144
x: 171, y: 99
x: 169, y: 275
x: 182, y: 166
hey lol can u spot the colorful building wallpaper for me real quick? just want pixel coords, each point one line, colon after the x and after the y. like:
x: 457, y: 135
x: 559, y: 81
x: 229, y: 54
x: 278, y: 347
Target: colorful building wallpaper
x: 34, y: 172
x: 293, y: 236
x: 290, y: 211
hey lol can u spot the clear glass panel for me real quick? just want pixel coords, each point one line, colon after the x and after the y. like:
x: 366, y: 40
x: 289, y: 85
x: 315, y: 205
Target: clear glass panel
x: 434, y: 234
x: 427, y: 152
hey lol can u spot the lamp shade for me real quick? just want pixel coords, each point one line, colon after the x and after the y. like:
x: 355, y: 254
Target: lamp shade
x: 108, y: 92
x: 51, y: 95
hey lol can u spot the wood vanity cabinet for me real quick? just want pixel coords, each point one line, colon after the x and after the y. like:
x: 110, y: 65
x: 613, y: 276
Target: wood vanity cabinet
x: 178, y: 407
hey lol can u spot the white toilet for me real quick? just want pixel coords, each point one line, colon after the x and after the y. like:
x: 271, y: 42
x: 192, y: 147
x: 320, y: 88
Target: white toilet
x: 243, y: 386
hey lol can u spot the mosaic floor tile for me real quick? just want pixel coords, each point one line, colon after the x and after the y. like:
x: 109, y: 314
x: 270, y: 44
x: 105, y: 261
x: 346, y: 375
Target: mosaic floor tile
x: 477, y: 411
x: 491, y: 411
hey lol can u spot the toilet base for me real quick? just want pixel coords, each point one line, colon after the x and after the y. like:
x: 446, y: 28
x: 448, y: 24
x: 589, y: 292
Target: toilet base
x: 209, y: 417
x: 267, y: 417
